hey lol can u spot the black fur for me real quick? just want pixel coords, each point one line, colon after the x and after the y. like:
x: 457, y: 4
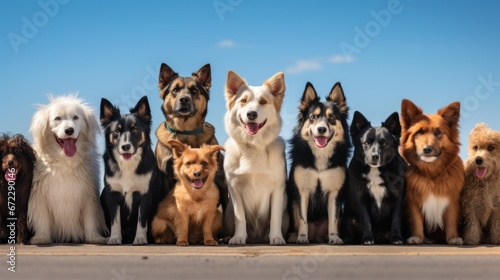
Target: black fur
x: 138, y: 123
x: 363, y: 222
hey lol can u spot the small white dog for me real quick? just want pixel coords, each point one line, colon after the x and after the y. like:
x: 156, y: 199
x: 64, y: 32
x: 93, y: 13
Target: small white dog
x: 255, y: 163
x: 64, y: 203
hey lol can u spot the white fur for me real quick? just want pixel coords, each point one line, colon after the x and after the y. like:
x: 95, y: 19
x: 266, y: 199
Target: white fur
x: 428, y: 159
x: 64, y: 203
x: 433, y: 209
x: 377, y: 191
x: 255, y: 166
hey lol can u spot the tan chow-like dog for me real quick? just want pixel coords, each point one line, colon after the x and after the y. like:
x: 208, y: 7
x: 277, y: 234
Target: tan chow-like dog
x: 185, y: 101
x: 481, y: 197
x: 189, y: 214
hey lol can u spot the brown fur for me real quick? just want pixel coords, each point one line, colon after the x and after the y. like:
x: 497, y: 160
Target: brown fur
x: 188, y: 215
x: 443, y: 178
x: 16, y: 152
x: 172, y: 88
x: 481, y: 196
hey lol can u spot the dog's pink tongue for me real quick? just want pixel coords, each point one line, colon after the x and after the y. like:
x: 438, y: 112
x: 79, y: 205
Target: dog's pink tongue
x: 10, y: 176
x: 481, y: 172
x: 197, y: 183
x: 69, y: 147
x: 252, y: 128
x: 321, y: 141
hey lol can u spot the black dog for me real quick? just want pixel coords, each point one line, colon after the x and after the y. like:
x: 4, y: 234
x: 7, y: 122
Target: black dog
x: 18, y: 160
x: 132, y: 186
x: 373, y: 207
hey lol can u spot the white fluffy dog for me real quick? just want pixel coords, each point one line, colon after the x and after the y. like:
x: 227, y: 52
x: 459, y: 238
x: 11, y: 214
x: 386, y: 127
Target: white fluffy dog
x: 64, y: 204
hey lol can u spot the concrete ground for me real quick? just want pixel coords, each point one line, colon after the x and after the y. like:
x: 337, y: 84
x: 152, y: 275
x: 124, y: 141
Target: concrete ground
x: 126, y: 262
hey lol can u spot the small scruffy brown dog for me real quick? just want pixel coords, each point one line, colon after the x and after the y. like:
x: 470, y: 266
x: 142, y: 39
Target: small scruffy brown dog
x: 481, y: 197
x: 189, y: 214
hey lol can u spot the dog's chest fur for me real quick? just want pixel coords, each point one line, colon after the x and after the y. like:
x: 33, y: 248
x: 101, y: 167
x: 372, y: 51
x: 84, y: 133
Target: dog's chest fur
x: 433, y: 209
x: 376, y: 186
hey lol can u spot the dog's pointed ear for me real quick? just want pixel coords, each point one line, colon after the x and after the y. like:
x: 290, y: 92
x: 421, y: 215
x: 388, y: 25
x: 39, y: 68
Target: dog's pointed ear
x: 213, y: 149
x: 109, y: 112
x: 142, y: 109
x: 393, y: 125
x: 359, y: 122
x: 408, y: 113
x: 276, y: 85
x: 166, y: 76
x: 451, y: 114
x: 204, y: 75
x: 233, y: 84
x: 177, y: 147
x: 337, y: 96
x: 309, y: 96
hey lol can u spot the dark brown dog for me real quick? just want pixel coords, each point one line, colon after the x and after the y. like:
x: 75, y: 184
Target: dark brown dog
x: 18, y: 159
x: 185, y: 101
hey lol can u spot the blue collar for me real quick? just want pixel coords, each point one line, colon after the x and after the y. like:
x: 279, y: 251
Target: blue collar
x: 191, y: 132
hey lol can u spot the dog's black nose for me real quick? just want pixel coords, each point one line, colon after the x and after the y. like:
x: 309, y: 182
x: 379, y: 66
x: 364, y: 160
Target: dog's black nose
x: 375, y: 157
x: 126, y: 147
x: 69, y: 131
x: 197, y: 173
x: 479, y: 160
x: 185, y: 99
x: 10, y: 162
x: 252, y: 115
x: 427, y: 150
x: 321, y: 130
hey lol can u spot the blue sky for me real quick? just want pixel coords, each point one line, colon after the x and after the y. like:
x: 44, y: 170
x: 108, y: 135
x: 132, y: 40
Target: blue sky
x: 432, y: 52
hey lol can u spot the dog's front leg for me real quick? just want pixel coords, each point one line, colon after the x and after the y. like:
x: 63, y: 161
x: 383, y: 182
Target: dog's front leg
x: 182, y: 227
x: 277, y: 204
x: 303, y: 237
x: 333, y: 216
x: 367, y: 238
x: 208, y: 238
x: 240, y: 221
x: 116, y: 228
x: 396, y: 237
x: 141, y: 237
x: 451, y: 223
x: 495, y: 227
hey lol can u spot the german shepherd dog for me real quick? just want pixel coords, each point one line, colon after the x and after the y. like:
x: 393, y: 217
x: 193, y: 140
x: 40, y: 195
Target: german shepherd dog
x: 185, y: 101
x: 319, y: 152
x: 374, y: 198
x: 132, y: 183
x: 435, y: 175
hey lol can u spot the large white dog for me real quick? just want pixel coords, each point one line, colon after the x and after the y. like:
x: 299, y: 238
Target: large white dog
x: 255, y: 163
x: 64, y: 204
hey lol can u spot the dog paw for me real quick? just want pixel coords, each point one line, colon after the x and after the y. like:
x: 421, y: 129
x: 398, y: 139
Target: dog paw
x: 368, y: 241
x: 39, y: 240
x: 237, y: 240
x: 292, y: 238
x: 97, y: 240
x: 278, y: 240
x: 455, y: 241
x: 140, y: 240
x: 115, y: 241
x: 210, y: 242
x: 334, y: 239
x: 397, y: 240
x: 302, y: 239
x: 414, y: 240
x: 182, y: 243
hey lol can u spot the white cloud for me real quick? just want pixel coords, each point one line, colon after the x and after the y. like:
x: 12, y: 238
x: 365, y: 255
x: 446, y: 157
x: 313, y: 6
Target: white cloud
x: 226, y: 44
x: 304, y: 65
x: 339, y: 58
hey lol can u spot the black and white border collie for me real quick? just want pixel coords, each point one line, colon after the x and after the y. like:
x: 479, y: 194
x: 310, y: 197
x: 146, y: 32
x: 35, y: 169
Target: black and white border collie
x: 375, y: 194
x: 319, y: 153
x: 132, y: 186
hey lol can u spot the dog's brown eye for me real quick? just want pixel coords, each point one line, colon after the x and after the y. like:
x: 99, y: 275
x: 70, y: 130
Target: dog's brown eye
x: 313, y: 117
x: 490, y: 148
x: 135, y: 130
x: 437, y: 132
x: 262, y: 102
x: 57, y: 119
x: 383, y: 142
x: 188, y: 164
x: 243, y: 100
x: 420, y: 131
x: 475, y: 148
x: 75, y: 118
x: 194, y: 90
x: 204, y: 163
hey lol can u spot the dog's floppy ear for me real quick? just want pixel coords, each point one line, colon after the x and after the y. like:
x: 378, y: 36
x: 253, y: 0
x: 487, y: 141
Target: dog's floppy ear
x: 177, y: 147
x: 309, y: 96
x: 393, y: 125
x: 40, y: 123
x: 233, y: 84
x: 166, y: 76
x: 204, y: 74
x: 109, y: 113
x: 213, y: 149
x: 337, y: 95
x: 359, y: 122
x: 408, y: 113
x: 142, y: 109
x: 451, y: 114
x: 25, y: 147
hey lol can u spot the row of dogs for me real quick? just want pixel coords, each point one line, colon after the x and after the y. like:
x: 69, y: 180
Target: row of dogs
x: 405, y: 182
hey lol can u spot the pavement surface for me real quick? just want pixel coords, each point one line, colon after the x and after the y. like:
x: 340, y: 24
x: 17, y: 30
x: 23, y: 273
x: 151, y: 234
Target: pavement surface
x: 67, y: 261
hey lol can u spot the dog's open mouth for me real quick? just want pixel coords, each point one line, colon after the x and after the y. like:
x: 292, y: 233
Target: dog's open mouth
x: 481, y: 172
x: 321, y: 141
x: 428, y: 158
x: 127, y: 156
x: 251, y: 127
x: 197, y: 183
x: 68, y: 145
x: 183, y: 111
x: 10, y: 176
